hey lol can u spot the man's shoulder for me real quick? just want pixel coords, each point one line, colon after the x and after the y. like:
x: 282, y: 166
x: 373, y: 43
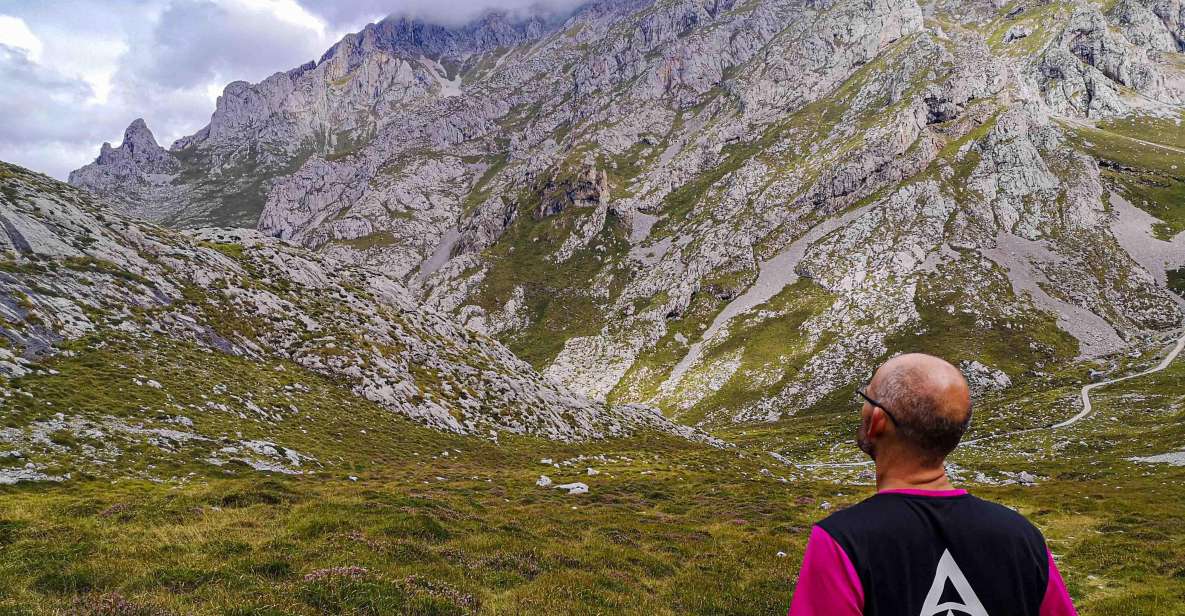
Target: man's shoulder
x: 885, y: 511
x: 871, y: 511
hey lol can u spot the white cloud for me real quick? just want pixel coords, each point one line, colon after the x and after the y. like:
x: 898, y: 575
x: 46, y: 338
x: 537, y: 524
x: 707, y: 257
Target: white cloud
x: 288, y: 11
x: 15, y: 33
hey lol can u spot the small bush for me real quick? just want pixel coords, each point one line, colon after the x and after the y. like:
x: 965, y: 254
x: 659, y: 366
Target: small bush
x: 10, y: 530
x: 271, y: 569
x: 67, y: 582
x: 419, y: 527
x: 264, y: 493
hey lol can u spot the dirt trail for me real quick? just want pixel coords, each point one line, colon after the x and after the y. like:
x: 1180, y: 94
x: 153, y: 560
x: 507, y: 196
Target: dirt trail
x: 1087, y: 409
x: 1081, y: 124
x: 1086, y: 406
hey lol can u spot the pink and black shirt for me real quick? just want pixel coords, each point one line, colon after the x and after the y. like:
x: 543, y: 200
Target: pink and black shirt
x: 928, y: 553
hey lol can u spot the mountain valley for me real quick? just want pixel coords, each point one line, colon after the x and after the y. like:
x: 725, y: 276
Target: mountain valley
x: 337, y: 351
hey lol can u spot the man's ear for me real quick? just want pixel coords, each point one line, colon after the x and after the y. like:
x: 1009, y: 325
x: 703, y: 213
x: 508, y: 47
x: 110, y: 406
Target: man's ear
x: 877, y: 422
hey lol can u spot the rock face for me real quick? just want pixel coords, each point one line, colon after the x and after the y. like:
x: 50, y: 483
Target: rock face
x: 330, y: 108
x: 731, y: 210
x: 139, y: 169
x: 73, y: 270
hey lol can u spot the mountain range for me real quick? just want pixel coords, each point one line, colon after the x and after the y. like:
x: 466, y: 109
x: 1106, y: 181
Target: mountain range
x: 565, y: 314
x: 728, y: 210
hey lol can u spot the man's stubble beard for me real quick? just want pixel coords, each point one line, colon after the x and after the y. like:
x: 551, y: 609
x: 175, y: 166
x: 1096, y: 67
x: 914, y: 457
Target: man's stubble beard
x: 864, y: 443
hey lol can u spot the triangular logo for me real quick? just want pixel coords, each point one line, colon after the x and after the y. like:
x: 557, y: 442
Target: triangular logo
x: 938, y: 605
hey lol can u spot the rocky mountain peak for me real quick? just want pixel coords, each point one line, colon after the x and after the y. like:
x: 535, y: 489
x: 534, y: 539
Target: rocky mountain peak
x: 635, y: 197
x: 403, y: 34
x: 138, y: 144
x: 139, y: 170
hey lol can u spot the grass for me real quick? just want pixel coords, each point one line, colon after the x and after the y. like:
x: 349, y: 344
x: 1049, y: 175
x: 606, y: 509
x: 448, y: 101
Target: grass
x: 1013, y: 341
x: 769, y: 347
x: 1155, y: 129
x: 447, y: 535
x: 644, y: 378
x: 1041, y: 19
x: 1152, y: 178
x: 232, y: 250
x: 668, y: 526
x: 1176, y: 280
x: 558, y: 297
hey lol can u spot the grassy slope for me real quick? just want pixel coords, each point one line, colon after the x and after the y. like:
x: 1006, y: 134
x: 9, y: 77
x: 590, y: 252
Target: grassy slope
x: 1176, y: 280
x: 772, y: 348
x: 668, y: 527
x: 677, y: 541
x: 558, y: 297
x: 1009, y: 342
x: 1152, y: 178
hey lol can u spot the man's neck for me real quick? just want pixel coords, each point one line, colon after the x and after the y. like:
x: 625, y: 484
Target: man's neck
x: 899, y: 477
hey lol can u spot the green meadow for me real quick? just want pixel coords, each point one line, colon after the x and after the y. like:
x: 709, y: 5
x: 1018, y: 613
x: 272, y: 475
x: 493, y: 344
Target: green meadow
x: 401, y: 519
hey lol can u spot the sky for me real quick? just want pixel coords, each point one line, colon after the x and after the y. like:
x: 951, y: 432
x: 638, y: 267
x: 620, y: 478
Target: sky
x: 75, y: 73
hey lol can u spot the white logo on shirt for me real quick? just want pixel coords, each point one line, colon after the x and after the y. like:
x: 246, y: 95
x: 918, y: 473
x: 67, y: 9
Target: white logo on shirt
x: 948, y: 569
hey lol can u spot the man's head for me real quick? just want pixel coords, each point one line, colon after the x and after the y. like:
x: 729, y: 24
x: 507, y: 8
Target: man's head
x: 922, y: 409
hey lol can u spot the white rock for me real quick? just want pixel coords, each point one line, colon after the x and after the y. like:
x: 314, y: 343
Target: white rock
x: 573, y: 488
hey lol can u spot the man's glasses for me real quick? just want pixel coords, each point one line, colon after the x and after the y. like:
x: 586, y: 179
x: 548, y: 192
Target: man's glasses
x: 860, y: 392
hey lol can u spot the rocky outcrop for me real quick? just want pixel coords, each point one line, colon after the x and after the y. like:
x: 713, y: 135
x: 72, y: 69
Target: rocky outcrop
x: 138, y: 174
x: 330, y: 108
x: 1096, y: 56
x: 73, y: 270
x: 587, y: 188
x: 692, y: 179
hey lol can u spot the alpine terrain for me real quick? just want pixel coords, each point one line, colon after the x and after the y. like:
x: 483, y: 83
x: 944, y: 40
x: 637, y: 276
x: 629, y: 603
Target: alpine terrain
x: 565, y: 314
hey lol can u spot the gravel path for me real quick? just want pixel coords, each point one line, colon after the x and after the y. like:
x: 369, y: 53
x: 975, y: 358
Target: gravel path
x: 1086, y: 407
x: 1086, y: 411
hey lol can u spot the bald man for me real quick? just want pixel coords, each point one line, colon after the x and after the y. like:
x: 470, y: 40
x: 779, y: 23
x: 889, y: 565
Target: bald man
x: 919, y: 547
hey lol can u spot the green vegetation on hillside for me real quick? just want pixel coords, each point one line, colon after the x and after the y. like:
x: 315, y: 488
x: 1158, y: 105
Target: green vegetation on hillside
x: 1176, y: 280
x: 668, y: 527
x: 1040, y: 19
x: 390, y: 517
x: 240, y: 188
x: 560, y: 300
x: 1013, y: 342
x: 1151, y: 177
x: 1155, y: 129
x: 770, y: 347
x: 645, y: 376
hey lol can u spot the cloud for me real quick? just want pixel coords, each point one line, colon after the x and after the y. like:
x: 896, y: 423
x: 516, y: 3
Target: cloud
x: 444, y: 12
x: 48, y: 117
x: 81, y: 71
x: 197, y: 42
x: 15, y: 33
